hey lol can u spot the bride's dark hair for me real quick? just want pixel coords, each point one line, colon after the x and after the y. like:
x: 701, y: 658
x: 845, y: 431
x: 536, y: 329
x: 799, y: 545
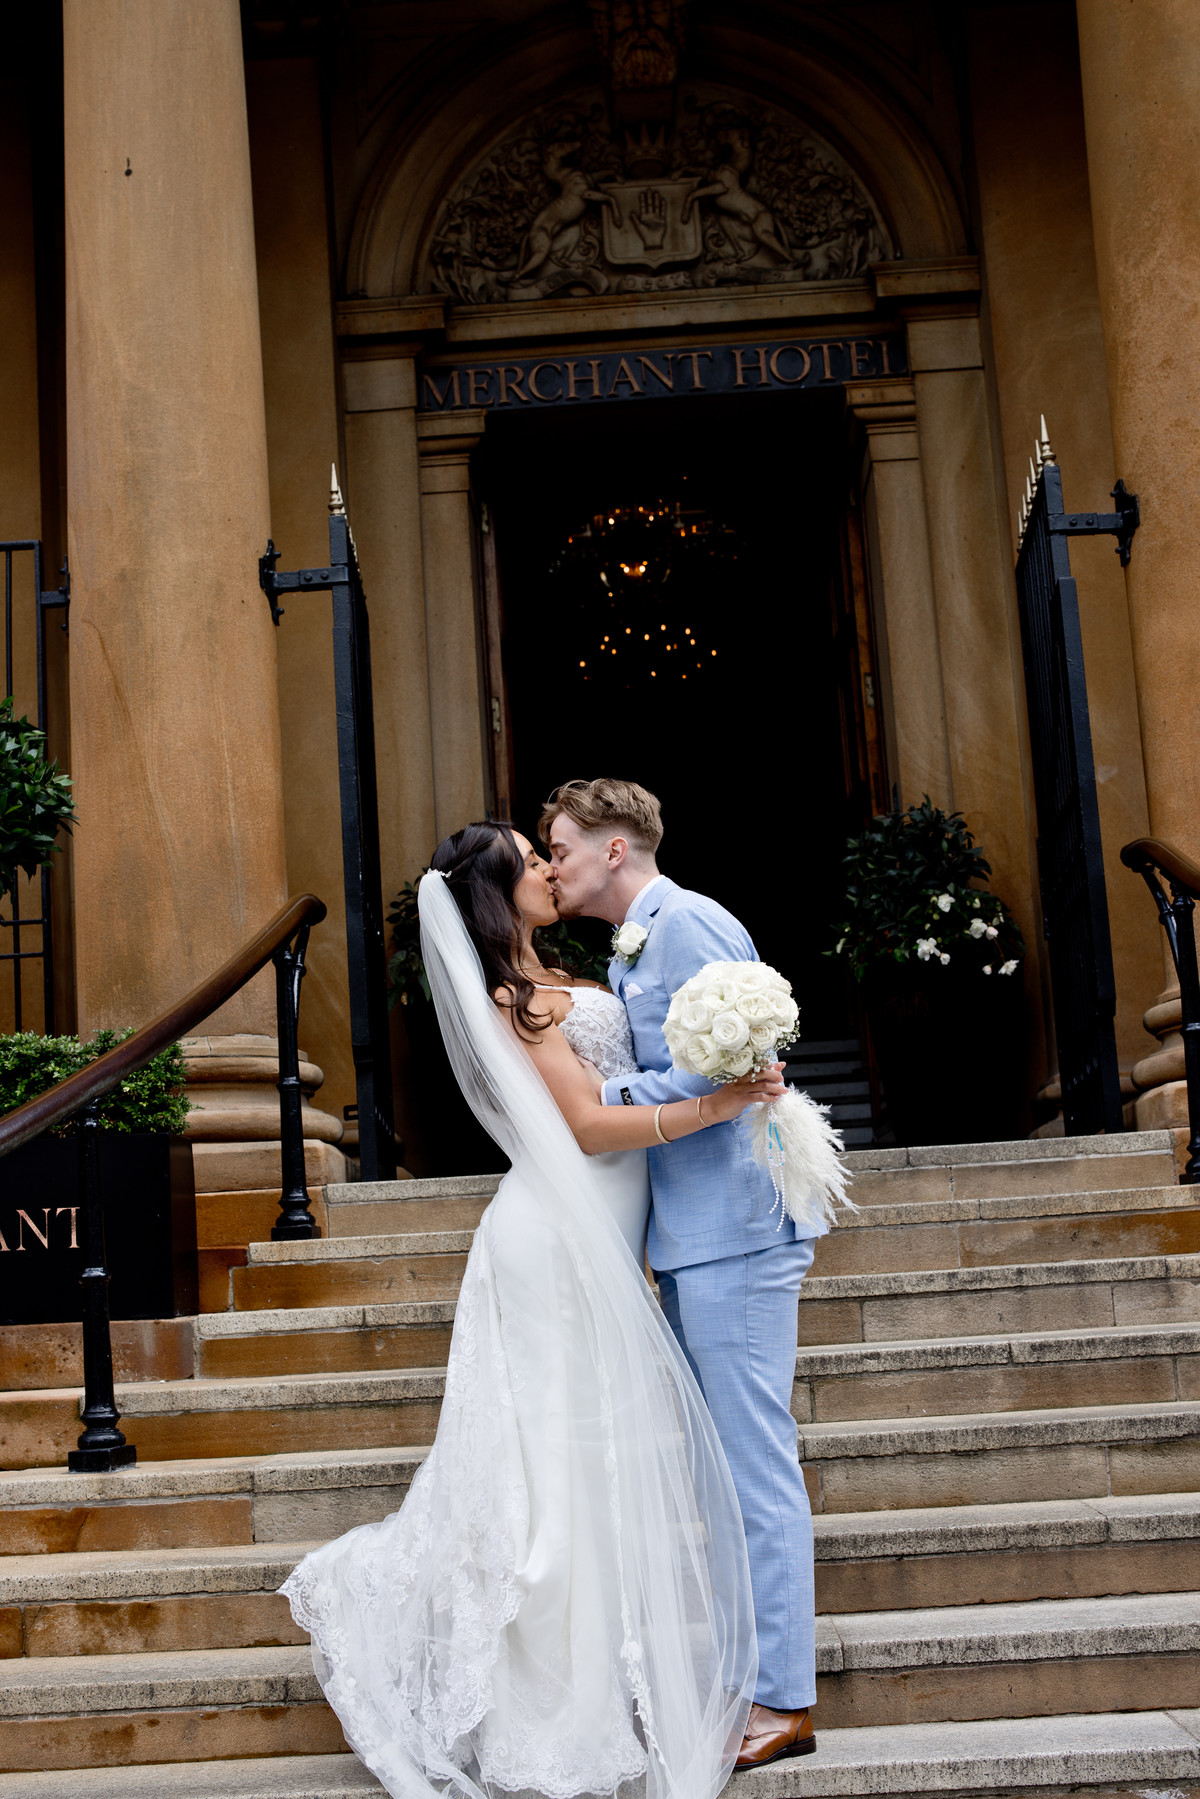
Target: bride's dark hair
x: 482, y: 866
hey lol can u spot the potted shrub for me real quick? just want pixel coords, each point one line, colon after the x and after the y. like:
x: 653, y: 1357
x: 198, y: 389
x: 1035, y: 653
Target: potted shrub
x: 441, y: 1135
x: 939, y: 961
x: 148, y: 1189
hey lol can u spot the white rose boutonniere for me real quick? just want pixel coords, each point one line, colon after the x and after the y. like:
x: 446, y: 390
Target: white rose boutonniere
x: 629, y: 940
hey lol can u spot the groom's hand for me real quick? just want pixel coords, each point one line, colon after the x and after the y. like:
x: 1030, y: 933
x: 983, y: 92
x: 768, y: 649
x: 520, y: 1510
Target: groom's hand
x: 594, y: 1076
x: 769, y: 1083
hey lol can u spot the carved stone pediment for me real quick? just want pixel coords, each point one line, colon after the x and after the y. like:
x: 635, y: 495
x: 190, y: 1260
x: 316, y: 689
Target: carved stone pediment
x: 735, y: 192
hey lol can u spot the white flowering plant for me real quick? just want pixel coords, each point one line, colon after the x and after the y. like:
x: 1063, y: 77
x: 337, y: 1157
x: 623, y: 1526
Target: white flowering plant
x: 917, y: 892
x: 732, y: 1019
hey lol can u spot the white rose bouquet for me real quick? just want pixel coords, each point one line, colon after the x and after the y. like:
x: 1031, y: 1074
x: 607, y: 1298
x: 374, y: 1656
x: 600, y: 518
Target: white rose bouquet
x: 731, y: 1019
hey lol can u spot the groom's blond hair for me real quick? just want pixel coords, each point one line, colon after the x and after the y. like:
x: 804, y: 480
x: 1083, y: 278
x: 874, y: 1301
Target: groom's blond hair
x: 620, y: 807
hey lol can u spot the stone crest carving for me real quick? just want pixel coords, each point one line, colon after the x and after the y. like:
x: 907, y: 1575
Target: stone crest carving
x: 735, y: 192
x: 640, y: 40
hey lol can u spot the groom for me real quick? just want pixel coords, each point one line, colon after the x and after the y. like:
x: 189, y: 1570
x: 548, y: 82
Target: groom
x: 728, y: 1275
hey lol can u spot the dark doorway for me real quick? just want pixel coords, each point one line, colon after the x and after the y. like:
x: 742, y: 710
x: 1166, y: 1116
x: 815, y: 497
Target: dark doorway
x: 676, y: 589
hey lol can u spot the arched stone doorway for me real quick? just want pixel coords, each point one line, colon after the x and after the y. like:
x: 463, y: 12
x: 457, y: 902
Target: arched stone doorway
x: 518, y: 260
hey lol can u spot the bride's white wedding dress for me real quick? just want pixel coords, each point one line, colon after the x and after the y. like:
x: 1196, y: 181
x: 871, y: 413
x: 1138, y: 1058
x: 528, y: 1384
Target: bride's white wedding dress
x: 597, y: 1028
x: 562, y: 1605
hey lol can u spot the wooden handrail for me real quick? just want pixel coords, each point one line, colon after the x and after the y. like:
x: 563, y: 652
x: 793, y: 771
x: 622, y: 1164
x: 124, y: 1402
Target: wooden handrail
x: 108, y: 1070
x: 1148, y: 852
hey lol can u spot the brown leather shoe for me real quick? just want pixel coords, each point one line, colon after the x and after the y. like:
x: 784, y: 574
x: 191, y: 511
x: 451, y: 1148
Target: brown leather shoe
x: 772, y: 1735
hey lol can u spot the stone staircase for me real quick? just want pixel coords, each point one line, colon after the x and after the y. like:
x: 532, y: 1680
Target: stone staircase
x: 998, y: 1397
x: 834, y: 1074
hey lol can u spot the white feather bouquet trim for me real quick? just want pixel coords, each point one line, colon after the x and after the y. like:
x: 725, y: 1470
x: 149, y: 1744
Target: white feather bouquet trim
x: 795, y: 1142
x: 733, y: 1018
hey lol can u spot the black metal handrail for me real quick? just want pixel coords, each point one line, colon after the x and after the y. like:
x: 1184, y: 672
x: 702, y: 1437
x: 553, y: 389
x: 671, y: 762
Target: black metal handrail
x: 1150, y: 859
x: 284, y: 942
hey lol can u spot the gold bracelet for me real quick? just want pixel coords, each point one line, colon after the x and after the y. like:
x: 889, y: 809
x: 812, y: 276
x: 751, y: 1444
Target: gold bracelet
x: 658, y: 1127
x: 700, y: 1114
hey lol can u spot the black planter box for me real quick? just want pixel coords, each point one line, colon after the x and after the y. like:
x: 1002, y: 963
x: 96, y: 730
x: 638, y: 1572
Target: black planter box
x: 149, y: 1194
x: 949, y: 1048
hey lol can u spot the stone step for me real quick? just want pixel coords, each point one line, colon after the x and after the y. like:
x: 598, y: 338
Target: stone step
x: 887, y: 1176
x: 193, y: 1705
x: 51, y: 1355
x: 1053, y: 1758
x: 1043, y: 1658
x: 441, y: 1203
x: 1004, y: 1373
x: 1101, y: 1224
x: 320, y: 1339
x: 416, y: 1333
x: 918, y: 1236
x: 214, y: 1501
x: 275, y: 1777
x: 1080, y: 1452
x: 835, y: 1309
x: 263, y: 1414
x: 985, y: 1554
x: 123, y: 1602
x: 954, y: 1302
x: 879, y: 1179
x: 159, y: 1600
x: 174, y: 1420
x: 413, y: 1265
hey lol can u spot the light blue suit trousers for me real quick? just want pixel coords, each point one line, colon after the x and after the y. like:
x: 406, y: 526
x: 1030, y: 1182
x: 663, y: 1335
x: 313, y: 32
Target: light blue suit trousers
x: 736, y: 1321
x: 729, y: 1272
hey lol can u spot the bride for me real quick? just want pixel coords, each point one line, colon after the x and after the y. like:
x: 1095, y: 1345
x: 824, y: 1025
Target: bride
x: 562, y: 1606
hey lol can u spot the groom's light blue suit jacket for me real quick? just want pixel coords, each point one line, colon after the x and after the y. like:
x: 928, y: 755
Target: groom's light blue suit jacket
x: 711, y: 1198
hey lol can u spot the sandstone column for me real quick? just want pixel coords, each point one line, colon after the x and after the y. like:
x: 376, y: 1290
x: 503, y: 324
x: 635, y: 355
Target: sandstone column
x: 1140, y: 69
x: 1047, y: 349
x: 978, y: 633
x: 905, y: 607
x: 384, y: 500
x: 446, y: 441
x: 179, y: 855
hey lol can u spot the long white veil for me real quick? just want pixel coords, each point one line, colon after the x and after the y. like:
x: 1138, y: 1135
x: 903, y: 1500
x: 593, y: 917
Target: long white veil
x: 563, y: 1604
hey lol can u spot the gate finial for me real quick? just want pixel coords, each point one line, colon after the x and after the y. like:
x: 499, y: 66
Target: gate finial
x: 336, y: 503
x: 1045, y: 453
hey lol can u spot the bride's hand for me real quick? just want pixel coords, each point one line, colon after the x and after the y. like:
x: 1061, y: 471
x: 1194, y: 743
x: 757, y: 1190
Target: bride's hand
x: 732, y: 1099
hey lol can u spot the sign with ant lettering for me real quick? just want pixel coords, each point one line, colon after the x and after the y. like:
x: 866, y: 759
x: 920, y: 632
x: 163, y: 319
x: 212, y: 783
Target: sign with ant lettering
x: 149, y: 1201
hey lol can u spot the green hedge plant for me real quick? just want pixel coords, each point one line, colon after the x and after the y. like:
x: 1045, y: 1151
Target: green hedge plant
x: 916, y: 892
x: 150, y: 1101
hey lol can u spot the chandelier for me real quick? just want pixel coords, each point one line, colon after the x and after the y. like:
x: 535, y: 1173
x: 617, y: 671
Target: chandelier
x: 642, y: 582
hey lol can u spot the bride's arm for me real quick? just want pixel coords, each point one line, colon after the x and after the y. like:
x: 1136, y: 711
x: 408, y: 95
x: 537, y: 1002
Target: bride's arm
x: 597, y: 1127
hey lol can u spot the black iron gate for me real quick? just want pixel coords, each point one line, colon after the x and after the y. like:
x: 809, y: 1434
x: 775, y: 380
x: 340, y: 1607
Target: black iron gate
x: 20, y: 953
x: 1070, y: 861
x: 361, y: 870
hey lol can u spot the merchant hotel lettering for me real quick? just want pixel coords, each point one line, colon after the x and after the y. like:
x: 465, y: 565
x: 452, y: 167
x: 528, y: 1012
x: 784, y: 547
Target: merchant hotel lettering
x: 681, y: 362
